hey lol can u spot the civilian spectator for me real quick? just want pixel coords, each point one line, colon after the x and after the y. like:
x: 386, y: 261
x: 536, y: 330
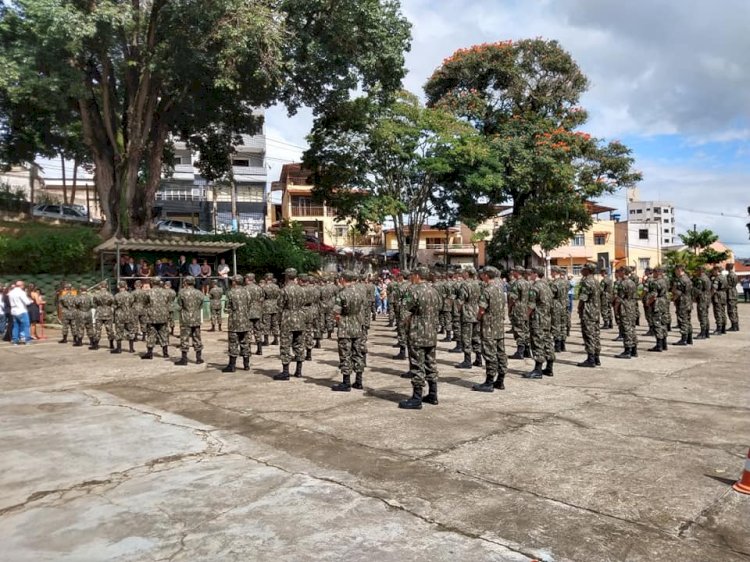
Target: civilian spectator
x: 144, y: 269
x: 160, y: 269
x: 182, y: 267
x: 205, y: 276
x: 171, y: 272
x: 194, y: 269
x: 745, y: 282
x: 19, y: 302
x: 223, y: 271
x: 130, y: 271
x: 4, y: 310
x: 35, y: 309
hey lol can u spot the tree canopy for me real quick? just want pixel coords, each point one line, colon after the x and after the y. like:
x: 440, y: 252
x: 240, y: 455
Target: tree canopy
x: 133, y: 75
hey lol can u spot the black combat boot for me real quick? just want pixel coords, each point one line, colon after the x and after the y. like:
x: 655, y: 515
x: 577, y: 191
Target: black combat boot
x: 77, y: 342
x: 466, y: 363
x: 330, y: 335
x: 527, y: 352
x: 597, y: 361
x: 298, y: 370
x: 589, y: 362
x: 265, y: 339
x: 432, y: 397
x: 487, y: 385
x: 690, y: 338
x: 64, y: 339
x: 618, y: 338
x: 562, y: 345
x: 625, y: 354
x: 657, y: 348
x: 275, y: 341
x: 245, y: 362
x: 358, y: 382
x: 283, y: 375
x: 536, y: 373
x: 458, y: 349
x: 519, y: 354
x: 183, y: 359
x: 199, y: 358
x: 213, y: 328
x: 683, y: 341
x: 131, y: 346
x: 723, y: 329
x: 111, y: 344
x: 259, y: 349
x: 231, y: 366
x: 401, y: 353
x: 557, y: 346
x: 664, y: 344
x: 548, y: 371
x: 344, y: 386
x: 317, y: 343
x: 650, y: 332
x: 634, y: 351
x: 500, y: 381
x: 364, y: 359
x: 707, y: 333
x: 220, y: 327
x: 701, y: 335
x: 149, y: 353
x: 447, y: 336
x: 308, y: 355
x: 93, y: 344
x: 165, y: 351
x: 477, y: 360
x: 117, y: 349
x: 413, y: 403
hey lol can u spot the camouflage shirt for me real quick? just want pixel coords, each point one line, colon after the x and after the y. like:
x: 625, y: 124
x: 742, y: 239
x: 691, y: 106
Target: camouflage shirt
x: 349, y: 306
x: 255, y: 297
x: 271, y: 294
x: 422, y: 303
x: 190, y: 301
x: 291, y: 301
x: 589, y: 296
x: 468, y: 294
x: 214, y: 297
x: 159, y: 305
x: 237, y: 308
x: 492, y: 305
x: 103, y: 301
x: 123, y: 307
x: 540, y: 297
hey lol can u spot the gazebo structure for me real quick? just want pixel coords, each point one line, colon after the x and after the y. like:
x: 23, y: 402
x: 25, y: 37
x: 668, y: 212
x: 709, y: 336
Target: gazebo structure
x: 116, y: 246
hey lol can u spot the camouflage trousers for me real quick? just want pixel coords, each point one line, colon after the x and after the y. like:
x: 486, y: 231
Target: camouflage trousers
x: 391, y: 312
x: 157, y: 335
x: 68, y: 323
x: 626, y: 323
x: 107, y: 324
x: 124, y: 329
x: 684, y: 309
x: 540, y: 332
x: 732, y: 308
x: 291, y: 346
x: 660, y: 319
x: 310, y: 322
x: 470, y: 339
x: 239, y: 344
x: 327, y: 322
x: 649, y: 313
x: 590, y: 332
x: 456, y: 321
x: 606, y: 310
x: 446, y: 318
x: 559, y: 321
x: 256, y: 330
x: 83, y: 323
x: 271, y: 324
x: 350, y: 356
x: 215, y: 317
x: 143, y: 322
x: 520, y: 324
x: 495, y: 359
x: 318, y: 323
x: 701, y: 307
x: 188, y: 334
x: 423, y: 365
x: 720, y: 312
x: 400, y: 329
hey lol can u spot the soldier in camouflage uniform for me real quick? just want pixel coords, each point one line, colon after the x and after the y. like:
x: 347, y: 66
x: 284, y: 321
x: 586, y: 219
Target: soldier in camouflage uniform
x: 140, y: 311
x: 455, y: 286
x: 540, y: 325
x: 682, y: 295
x: 702, y: 298
x: 348, y: 313
x: 589, y: 302
x: 731, y: 281
x: 190, y: 302
x: 719, y: 300
x: 255, y: 312
x: 83, y: 321
x: 159, y: 308
x: 518, y: 312
x: 318, y: 312
x: 606, y: 290
x: 625, y: 303
x: 173, y: 307
x: 270, y: 310
x: 238, y: 325
x: 468, y: 294
x: 124, y: 317
x: 559, y: 302
x: 215, y: 294
x: 648, y: 310
x: 292, y: 325
x: 368, y: 294
x: 307, y: 314
x: 103, y: 303
x: 395, y: 292
x: 421, y: 306
x: 68, y: 305
x: 637, y: 282
x: 491, y: 316
x: 659, y: 304
x: 445, y: 288
x: 328, y: 292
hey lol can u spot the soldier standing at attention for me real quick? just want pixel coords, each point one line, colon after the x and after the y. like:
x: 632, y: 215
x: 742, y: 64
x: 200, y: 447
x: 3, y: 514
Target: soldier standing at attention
x: 657, y: 301
x: 491, y: 317
x: 190, y: 301
x: 368, y: 289
x: 396, y: 292
x: 329, y: 291
x: 255, y: 312
x: 648, y: 309
x: 607, y: 292
x: 446, y: 313
x: 719, y: 300
x: 559, y: 300
x: 83, y: 320
x: 625, y: 302
x: 348, y: 314
x: 159, y: 308
x: 540, y: 325
x: 103, y: 302
x: 682, y: 295
x: 468, y: 294
x: 238, y: 325
x: 68, y: 305
x: 270, y: 310
x: 292, y: 326
x: 732, y: 280
x: 140, y: 313
x: 307, y: 314
x: 124, y: 318
x: 421, y: 304
x: 317, y: 310
x: 173, y: 307
x: 589, y: 301
x: 518, y: 311
x: 637, y: 282
x: 214, y: 298
x: 702, y: 298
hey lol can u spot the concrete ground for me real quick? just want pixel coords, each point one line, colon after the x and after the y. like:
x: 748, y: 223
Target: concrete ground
x: 107, y: 457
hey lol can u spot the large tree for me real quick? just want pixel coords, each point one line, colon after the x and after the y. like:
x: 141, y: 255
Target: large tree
x: 523, y: 99
x: 136, y: 73
x: 375, y: 162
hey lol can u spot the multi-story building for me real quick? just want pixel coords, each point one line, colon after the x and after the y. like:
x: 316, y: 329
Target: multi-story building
x: 659, y: 213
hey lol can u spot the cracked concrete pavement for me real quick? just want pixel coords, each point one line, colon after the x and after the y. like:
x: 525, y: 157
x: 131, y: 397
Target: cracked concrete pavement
x: 108, y: 457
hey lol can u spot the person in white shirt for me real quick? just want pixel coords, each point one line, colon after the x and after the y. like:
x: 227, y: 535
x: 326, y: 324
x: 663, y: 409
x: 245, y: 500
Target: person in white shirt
x: 223, y: 271
x: 19, y: 301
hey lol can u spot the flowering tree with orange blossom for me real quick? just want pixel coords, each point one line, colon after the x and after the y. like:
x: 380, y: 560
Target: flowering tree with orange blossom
x: 523, y: 100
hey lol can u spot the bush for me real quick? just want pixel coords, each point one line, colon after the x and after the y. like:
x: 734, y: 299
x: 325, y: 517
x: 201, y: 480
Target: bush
x: 44, y: 249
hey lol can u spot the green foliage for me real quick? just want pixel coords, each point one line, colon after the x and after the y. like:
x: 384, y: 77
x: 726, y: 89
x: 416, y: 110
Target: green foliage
x: 697, y: 240
x: 699, y: 253
x: 292, y: 233
x: 11, y: 200
x: 46, y: 249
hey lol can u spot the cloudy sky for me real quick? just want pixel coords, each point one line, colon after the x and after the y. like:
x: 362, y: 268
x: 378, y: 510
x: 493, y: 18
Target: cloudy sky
x: 669, y: 78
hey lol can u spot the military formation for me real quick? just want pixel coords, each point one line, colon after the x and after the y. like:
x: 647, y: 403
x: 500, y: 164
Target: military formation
x: 469, y: 307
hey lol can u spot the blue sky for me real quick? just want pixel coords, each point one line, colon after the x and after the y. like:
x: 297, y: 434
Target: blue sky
x: 671, y: 79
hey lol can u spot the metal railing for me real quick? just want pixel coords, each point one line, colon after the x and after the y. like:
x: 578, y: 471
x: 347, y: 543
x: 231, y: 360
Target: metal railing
x: 311, y: 211
x: 450, y: 246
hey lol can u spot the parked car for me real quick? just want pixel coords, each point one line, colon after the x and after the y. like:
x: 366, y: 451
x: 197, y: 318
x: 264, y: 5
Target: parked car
x: 180, y: 227
x: 315, y: 245
x: 63, y: 212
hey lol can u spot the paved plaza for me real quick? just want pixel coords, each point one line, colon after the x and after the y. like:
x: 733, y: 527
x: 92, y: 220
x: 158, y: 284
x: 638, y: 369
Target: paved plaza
x: 107, y: 457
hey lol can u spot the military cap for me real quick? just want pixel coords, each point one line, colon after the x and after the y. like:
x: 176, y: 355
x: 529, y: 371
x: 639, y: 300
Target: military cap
x: 155, y: 280
x: 406, y: 273
x: 491, y: 272
x: 589, y: 266
x: 250, y: 276
x: 68, y: 286
x: 519, y: 268
x: 470, y: 270
x: 122, y: 284
x: 539, y: 271
x: 422, y: 271
x: 290, y: 273
x: 237, y: 279
x: 349, y: 275
x: 189, y: 280
x: 83, y: 289
x: 269, y: 276
x: 304, y: 277
x: 603, y: 270
x: 658, y: 269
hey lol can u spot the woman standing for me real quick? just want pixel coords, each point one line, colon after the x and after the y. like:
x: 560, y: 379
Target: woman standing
x: 144, y: 270
x: 205, y: 276
x: 35, y: 308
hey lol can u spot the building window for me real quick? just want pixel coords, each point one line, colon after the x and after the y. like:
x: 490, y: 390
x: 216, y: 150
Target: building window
x: 340, y: 231
x: 666, y: 210
x: 666, y: 221
x: 632, y: 211
x: 600, y: 239
x: 241, y: 163
x: 643, y: 234
x: 577, y: 269
x: 657, y: 210
x: 639, y: 211
x: 667, y: 240
x: 644, y: 263
x: 579, y: 240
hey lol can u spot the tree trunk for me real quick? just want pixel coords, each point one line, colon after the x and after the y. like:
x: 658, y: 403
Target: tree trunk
x: 65, y: 183
x: 75, y: 182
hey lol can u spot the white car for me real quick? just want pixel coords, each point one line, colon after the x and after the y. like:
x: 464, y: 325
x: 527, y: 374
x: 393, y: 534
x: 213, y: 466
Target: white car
x: 180, y: 227
x: 62, y: 212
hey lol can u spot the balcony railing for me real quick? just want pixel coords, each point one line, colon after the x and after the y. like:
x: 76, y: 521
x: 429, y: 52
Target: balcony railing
x: 312, y: 211
x: 450, y: 247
